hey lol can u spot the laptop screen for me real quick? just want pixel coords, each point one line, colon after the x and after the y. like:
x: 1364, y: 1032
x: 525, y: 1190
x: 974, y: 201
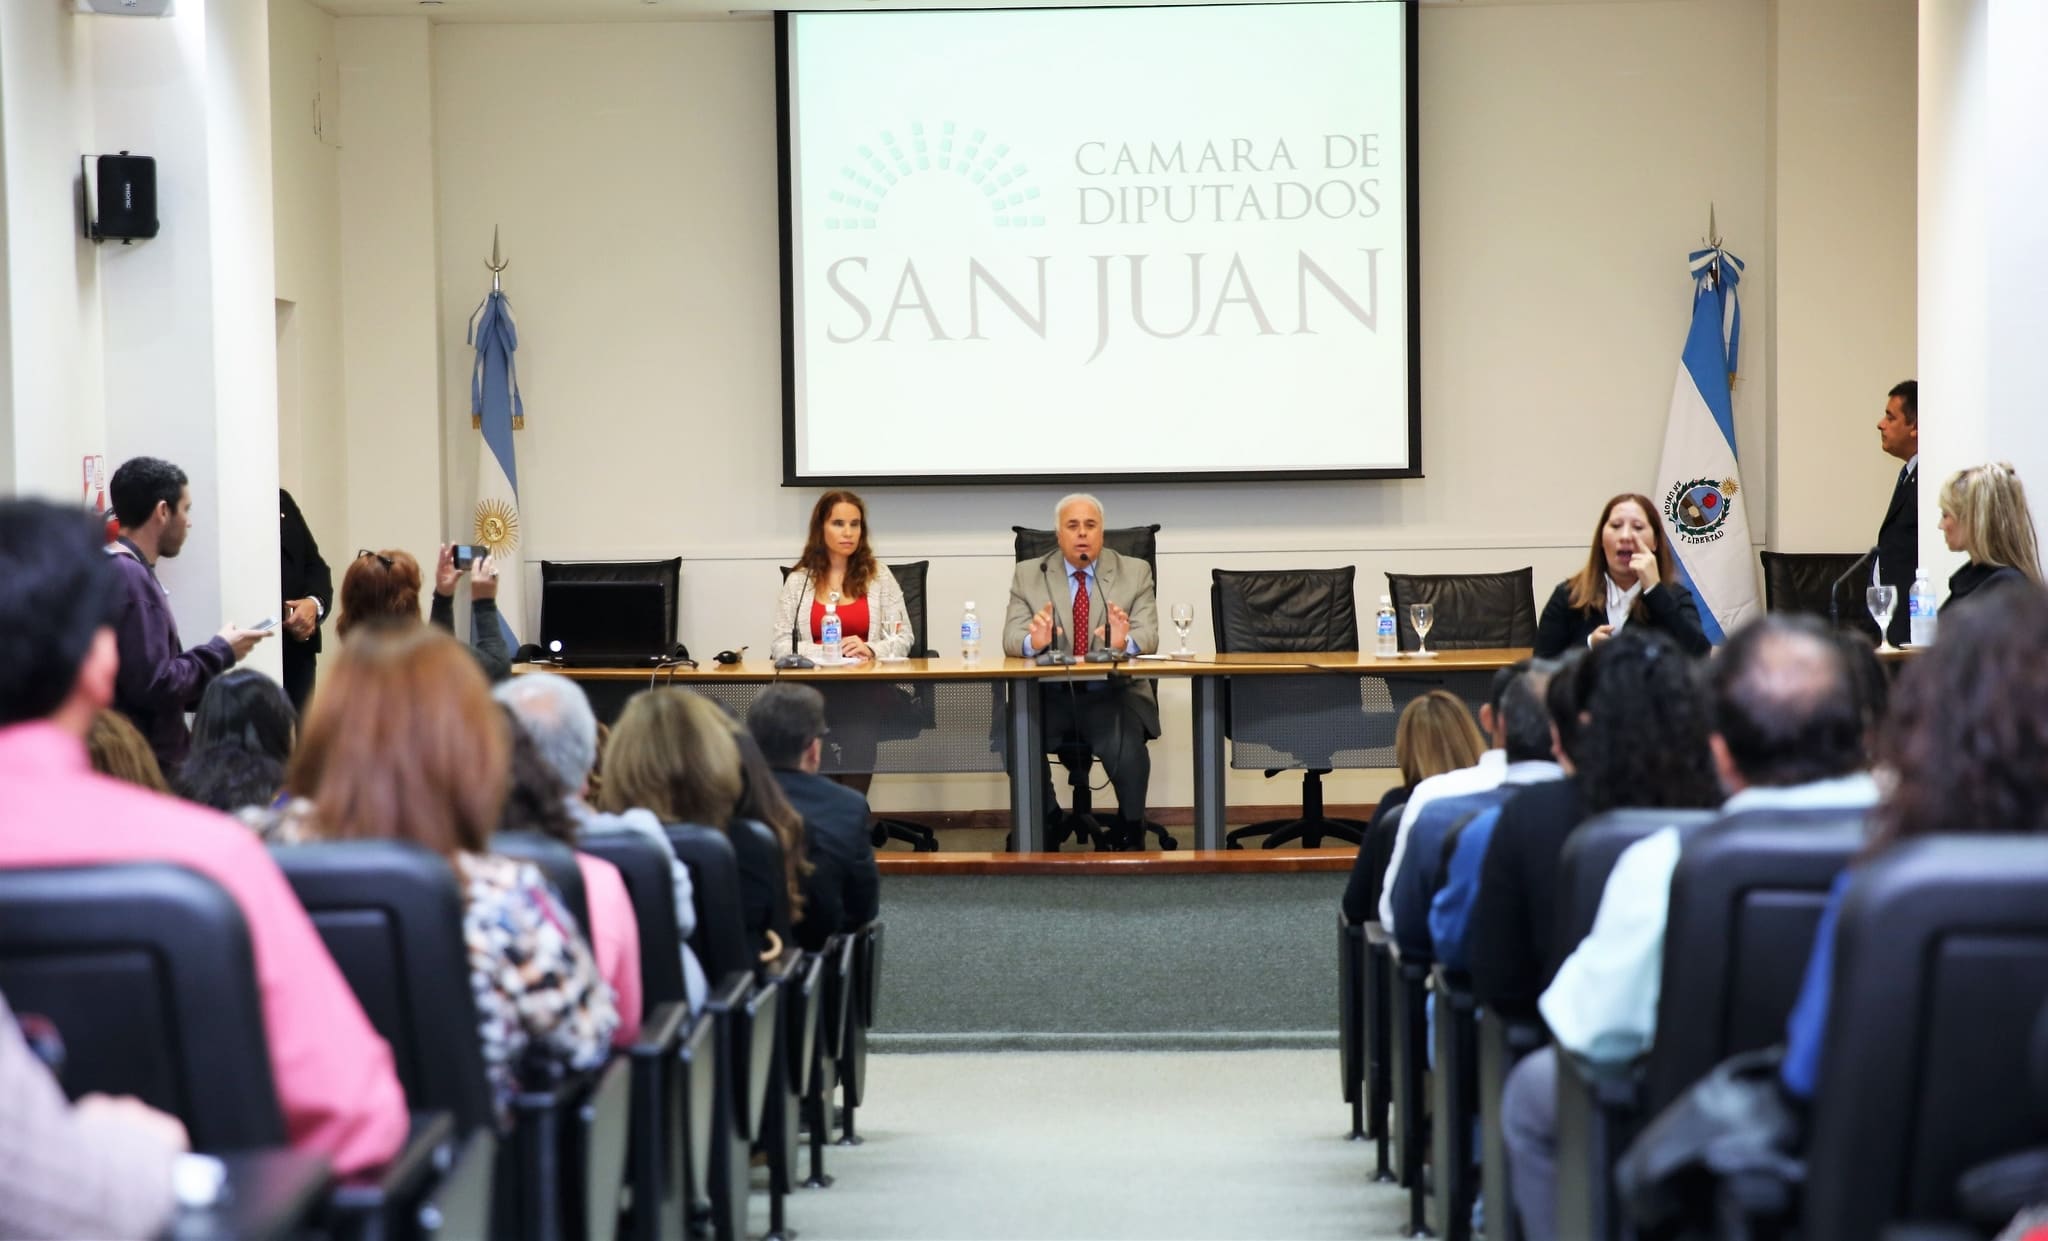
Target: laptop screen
x: 620, y: 621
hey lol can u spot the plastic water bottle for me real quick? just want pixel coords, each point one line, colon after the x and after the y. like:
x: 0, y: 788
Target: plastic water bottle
x: 1387, y: 640
x: 970, y: 636
x: 1920, y: 610
x: 828, y: 631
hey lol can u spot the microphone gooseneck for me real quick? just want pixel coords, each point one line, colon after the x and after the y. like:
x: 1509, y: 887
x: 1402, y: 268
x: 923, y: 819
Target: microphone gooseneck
x: 1834, y: 589
x: 796, y: 657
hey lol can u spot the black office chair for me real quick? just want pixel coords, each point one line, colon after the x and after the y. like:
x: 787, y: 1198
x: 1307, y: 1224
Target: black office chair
x: 1746, y: 898
x: 852, y: 1067
x: 1941, y: 960
x: 720, y: 936
x: 1079, y: 821
x: 391, y: 915
x: 1800, y: 582
x: 1474, y: 611
x: 147, y: 972
x: 1316, y: 722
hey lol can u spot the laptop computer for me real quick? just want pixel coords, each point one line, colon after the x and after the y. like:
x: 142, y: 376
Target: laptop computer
x: 603, y: 623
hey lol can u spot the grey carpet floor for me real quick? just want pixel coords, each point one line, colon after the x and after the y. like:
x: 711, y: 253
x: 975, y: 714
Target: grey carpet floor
x: 1031, y: 1145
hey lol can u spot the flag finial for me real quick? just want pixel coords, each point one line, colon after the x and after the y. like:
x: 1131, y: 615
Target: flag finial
x: 496, y: 264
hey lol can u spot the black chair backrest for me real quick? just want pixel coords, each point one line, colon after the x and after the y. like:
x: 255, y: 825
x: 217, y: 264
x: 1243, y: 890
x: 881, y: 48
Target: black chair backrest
x: 910, y: 578
x: 1284, y: 609
x: 1589, y: 854
x: 557, y: 864
x: 769, y: 846
x: 1799, y: 582
x: 146, y: 971
x: 1139, y: 541
x: 1473, y: 610
x: 644, y: 865
x: 1941, y: 960
x: 720, y: 939
x: 1745, y: 900
x: 666, y: 572
x: 391, y: 915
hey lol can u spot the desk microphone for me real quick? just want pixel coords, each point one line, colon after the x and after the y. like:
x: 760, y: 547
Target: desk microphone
x: 1106, y: 653
x: 1834, y: 603
x: 796, y: 657
x: 1059, y: 654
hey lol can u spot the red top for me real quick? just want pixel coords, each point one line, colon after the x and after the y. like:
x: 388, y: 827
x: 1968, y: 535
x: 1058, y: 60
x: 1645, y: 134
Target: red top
x: 853, y: 619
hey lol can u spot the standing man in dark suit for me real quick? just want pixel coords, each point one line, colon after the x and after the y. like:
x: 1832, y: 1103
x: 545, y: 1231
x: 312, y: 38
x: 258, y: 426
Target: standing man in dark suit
x: 1898, y: 539
x: 1084, y: 597
x: 308, y: 588
x: 844, y: 890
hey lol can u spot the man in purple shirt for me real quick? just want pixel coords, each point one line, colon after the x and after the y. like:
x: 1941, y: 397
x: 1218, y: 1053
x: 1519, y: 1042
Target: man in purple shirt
x: 160, y: 680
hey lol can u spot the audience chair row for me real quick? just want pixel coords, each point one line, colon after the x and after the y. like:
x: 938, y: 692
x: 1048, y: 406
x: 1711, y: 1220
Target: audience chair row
x: 147, y: 971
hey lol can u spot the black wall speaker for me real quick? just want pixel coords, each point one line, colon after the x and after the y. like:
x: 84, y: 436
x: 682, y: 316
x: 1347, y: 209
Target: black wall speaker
x: 120, y: 198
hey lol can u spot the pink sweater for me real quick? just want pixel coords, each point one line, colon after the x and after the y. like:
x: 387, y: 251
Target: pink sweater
x: 334, y: 1075
x: 614, y: 933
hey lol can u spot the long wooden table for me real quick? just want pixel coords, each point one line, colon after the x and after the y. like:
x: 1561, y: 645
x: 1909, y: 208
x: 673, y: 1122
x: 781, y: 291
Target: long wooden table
x: 1023, y: 681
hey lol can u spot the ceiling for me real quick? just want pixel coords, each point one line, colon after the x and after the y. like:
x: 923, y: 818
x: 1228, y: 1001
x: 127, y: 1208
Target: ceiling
x: 685, y: 10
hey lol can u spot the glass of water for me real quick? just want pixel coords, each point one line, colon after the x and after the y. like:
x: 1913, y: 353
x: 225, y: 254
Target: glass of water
x: 1183, y: 617
x: 1881, y: 600
x: 900, y: 639
x: 1422, y: 616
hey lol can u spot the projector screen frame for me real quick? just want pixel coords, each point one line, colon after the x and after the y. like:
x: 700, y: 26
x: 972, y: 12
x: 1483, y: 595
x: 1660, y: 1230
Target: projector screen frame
x: 787, y: 222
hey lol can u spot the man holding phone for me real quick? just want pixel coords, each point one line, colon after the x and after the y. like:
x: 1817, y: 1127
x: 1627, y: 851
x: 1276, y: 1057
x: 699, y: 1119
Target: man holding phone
x: 159, y: 680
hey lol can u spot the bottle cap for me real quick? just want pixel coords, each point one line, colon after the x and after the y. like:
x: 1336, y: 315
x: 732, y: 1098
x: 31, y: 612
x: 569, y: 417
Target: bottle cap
x: 1386, y: 599
x: 970, y: 605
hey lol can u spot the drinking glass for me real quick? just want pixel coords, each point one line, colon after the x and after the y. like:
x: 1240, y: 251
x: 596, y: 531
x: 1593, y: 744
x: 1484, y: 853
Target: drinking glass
x: 1183, y: 617
x: 1422, y: 616
x: 899, y: 635
x: 1882, y: 599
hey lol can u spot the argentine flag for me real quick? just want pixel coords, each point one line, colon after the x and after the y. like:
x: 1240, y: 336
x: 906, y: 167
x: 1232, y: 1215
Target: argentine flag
x: 496, y: 411
x: 1699, y: 489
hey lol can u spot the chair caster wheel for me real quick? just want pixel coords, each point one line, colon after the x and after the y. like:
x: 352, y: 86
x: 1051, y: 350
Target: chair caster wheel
x: 1168, y: 842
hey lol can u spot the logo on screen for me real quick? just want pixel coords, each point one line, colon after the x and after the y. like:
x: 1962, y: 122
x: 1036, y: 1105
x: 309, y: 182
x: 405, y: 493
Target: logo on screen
x: 1698, y: 509
x: 988, y: 168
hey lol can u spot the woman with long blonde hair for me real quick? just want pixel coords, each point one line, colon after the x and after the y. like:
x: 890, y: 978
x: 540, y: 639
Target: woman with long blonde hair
x: 1984, y: 514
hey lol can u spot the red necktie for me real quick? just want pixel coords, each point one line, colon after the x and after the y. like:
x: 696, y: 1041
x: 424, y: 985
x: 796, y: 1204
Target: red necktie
x: 1080, y: 614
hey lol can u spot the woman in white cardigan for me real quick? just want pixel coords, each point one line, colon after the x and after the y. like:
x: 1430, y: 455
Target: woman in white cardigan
x: 839, y: 570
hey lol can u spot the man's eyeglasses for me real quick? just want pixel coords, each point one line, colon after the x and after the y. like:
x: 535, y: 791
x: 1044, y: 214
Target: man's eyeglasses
x: 381, y: 557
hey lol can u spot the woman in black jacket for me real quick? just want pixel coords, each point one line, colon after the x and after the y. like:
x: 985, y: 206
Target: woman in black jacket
x: 1629, y: 579
x: 1984, y: 514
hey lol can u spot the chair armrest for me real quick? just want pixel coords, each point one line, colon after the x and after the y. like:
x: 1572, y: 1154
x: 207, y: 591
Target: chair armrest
x: 1376, y: 935
x: 1610, y: 1085
x: 1599, y: 1109
x: 398, y: 1183
x: 268, y: 1195
x: 1454, y: 987
x: 661, y: 1031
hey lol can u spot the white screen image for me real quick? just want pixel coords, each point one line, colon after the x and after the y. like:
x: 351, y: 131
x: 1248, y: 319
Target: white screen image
x: 1133, y: 242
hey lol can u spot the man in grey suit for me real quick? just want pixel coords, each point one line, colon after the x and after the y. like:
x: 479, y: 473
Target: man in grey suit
x: 1081, y: 598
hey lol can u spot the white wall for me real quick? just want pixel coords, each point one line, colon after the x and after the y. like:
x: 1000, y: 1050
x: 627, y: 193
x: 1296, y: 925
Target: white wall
x: 306, y: 135
x: 51, y: 403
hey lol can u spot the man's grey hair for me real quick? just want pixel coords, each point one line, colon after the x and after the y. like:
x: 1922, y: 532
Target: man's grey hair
x: 557, y: 716
x: 1079, y: 497
x: 784, y: 719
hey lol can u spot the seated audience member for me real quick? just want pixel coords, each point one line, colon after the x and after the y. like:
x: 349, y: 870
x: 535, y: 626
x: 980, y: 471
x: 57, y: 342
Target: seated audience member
x: 1528, y: 731
x: 242, y: 738
x: 1421, y: 870
x: 536, y: 802
x: 672, y: 752
x: 159, y: 679
x: 434, y: 771
x: 101, y: 1167
x: 1787, y: 735
x: 788, y: 723
x: 1434, y: 735
x: 761, y: 801
x: 115, y: 748
x: 1090, y: 598
x: 1629, y: 579
x: 385, y: 586
x: 556, y: 714
x: 1639, y: 739
x: 334, y: 1076
x: 1482, y: 773
x: 1968, y: 745
x: 1984, y: 514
